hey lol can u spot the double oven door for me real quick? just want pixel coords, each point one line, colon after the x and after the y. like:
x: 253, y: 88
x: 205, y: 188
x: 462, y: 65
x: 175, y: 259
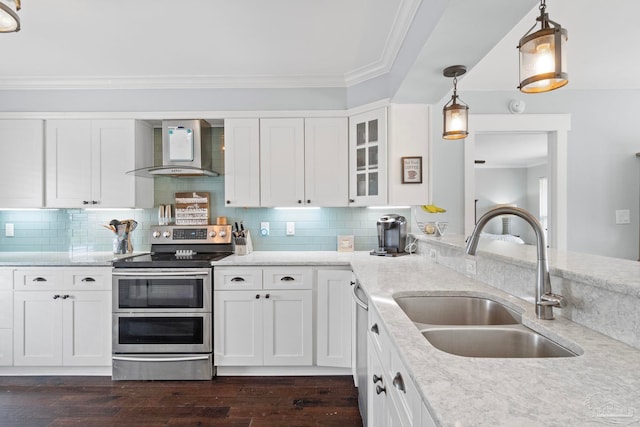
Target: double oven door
x: 162, y: 311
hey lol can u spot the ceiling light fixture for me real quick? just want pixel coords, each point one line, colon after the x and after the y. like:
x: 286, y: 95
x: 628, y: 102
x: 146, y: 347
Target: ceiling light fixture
x: 456, y: 115
x: 543, y: 58
x: 9, y: 19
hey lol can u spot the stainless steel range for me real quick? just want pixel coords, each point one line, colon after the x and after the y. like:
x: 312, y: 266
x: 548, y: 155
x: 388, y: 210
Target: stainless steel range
x: 162, y: 305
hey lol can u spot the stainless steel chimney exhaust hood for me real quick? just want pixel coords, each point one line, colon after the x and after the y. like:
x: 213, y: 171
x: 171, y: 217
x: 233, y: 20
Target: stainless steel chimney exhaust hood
x: 186, y: 150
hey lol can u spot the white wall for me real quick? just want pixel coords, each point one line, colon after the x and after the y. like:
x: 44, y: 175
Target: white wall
x: 603, y: 171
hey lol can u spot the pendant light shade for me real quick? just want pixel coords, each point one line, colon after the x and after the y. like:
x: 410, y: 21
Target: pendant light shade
x: 543, y: 60
x: 9, y: 19
x: 455, y: 112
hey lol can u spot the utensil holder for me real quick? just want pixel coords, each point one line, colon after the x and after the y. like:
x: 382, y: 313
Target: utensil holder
x: 243, y: 244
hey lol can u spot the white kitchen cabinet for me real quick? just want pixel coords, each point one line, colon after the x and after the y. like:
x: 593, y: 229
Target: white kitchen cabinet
x: 262, y: 324
x: 326, y: 162
x: 391, y: 386
x: 6, y: 317
x: 304, y: 162
x: 64, y: 320
x: 368, y: 158
x: 21, y: 163
x: 334, y: 308
x: 87, y: 160
x: 282, y: 162
x: 242, y: 162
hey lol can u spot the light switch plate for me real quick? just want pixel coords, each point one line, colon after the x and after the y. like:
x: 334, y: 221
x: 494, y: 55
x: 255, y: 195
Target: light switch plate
x: 623, y: 216
x: 291, y: 228
x: 9, y: 230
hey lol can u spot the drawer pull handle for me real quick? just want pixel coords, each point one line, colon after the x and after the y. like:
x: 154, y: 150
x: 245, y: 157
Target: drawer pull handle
x: 65, y: 296
x: 56, y: 296
x: 376, y: 378
x: 287, y: 279
x: 398, y: 382
x: 88, y: 279
x: 238, y: 279
x: 39, y: 279
x: 380, y: 389
x: 374, y: 329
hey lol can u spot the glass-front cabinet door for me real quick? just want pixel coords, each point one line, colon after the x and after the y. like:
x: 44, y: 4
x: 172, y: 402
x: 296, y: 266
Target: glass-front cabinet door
x: 368, y: 158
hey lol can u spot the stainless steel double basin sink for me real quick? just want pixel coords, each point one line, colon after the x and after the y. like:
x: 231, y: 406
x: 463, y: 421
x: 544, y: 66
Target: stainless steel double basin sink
x: 476, y: 327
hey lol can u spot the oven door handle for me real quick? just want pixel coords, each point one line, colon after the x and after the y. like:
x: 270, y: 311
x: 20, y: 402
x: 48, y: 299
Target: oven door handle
x: 161, y: 273
x: 160, y: 359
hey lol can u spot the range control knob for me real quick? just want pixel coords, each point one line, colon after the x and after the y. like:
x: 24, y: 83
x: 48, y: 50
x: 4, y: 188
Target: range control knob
x: 166, y: 234
x: 156, y: 234
x: 212, y: 234
x: 223, y: 233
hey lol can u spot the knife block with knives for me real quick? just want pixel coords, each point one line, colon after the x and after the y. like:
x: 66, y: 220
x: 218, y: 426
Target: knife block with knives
x: 242, y: 240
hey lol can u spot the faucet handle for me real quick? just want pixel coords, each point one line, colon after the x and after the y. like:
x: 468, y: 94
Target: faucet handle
x: 553, y: 300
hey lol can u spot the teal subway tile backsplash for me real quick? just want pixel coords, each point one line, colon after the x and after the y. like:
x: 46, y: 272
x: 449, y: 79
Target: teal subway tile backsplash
x: 78, y: 230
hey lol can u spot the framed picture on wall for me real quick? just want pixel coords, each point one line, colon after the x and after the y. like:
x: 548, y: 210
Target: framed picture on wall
x: 412, y: 170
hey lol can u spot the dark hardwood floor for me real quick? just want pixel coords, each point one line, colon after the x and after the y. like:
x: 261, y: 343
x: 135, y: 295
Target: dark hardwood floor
x: 224, y: 401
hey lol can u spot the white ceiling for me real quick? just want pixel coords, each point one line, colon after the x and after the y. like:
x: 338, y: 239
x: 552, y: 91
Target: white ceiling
x: 306, y: 43
x: 600, y: 47
x: 203, y: 43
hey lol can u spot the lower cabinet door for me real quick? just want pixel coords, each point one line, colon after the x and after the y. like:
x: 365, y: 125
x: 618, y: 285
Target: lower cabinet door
x: 335, y: 318
x: 237, y: 328
x: 86, y: 319
x: 37, y: 329
x: 6, y: 347
x: 288, y: 330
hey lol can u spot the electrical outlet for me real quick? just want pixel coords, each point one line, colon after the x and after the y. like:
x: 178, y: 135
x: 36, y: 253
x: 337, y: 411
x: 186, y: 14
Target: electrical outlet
x: 9, y: 230
x: 433, y: 254
x: 291, y: 228
x: 264, y: 228
x: 470, y: 265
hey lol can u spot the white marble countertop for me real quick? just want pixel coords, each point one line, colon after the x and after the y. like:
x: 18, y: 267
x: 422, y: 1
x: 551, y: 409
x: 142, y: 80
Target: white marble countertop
x: 601, y: 385
x: 59, y: 259
x: 287, y: 258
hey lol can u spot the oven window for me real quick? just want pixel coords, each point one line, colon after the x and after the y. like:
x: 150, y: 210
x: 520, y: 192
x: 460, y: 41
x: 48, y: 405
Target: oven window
x: 160, y: 330
x: 160, y: 293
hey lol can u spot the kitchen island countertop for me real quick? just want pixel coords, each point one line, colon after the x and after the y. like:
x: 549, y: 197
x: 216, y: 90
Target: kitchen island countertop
x: 600, y: 386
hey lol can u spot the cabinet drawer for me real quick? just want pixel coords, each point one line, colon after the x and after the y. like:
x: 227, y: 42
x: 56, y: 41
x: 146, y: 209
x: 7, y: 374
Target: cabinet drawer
x: 237, y: 279
x: 38, y: 279
x: 6, y: 279
x: 88, y: 278
x: 287, y: 278
x: 403, y: 392
x: 378, y: 335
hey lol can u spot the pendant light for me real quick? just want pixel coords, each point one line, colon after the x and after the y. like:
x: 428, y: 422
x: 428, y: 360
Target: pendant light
x: 456, y: 115
x: 543, y: 59
x: 9, y: 19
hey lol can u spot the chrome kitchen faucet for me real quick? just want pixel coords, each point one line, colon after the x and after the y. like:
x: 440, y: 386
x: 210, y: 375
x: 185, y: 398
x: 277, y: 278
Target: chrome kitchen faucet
x: 545, y: 299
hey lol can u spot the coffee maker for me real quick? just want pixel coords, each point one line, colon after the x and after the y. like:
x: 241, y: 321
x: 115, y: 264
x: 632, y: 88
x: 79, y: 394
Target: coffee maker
x: 392, y: 235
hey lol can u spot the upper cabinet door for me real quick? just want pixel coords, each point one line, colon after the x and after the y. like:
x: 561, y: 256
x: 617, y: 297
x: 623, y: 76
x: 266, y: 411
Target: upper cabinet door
x: 242, y: 162
x: 368, y: 158
x: 282, y: 162
x: 21, y: 163
x: 326, y: 152
x: 87, y: 163
x: 113, y: 154
x: 68, y: 163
